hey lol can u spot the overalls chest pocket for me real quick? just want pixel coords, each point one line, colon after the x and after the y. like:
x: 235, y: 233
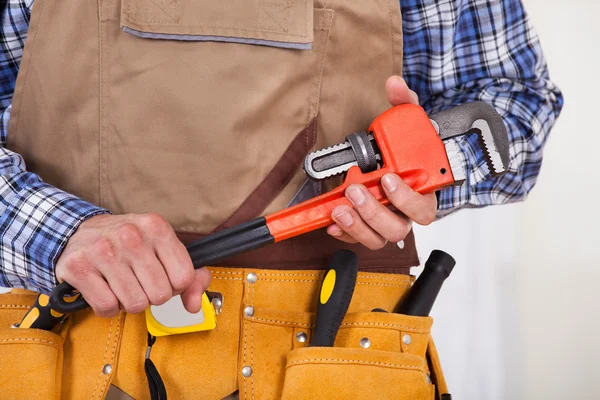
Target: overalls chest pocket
x: 202, y: 99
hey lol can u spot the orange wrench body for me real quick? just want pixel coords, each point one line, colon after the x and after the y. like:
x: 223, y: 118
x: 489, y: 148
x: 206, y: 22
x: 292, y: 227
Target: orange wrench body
x: 410, y: 147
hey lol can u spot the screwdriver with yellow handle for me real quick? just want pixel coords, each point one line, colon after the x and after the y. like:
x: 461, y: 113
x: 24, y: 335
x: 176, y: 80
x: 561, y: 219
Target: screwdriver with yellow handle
x: 334, y: 297
x: 42, y: 316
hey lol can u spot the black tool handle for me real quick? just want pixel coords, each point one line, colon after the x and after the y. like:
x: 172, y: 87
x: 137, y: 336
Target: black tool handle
x: 41, y: 316
x: 424, y: 291
x: 206, y: 251
x: 334, y: 297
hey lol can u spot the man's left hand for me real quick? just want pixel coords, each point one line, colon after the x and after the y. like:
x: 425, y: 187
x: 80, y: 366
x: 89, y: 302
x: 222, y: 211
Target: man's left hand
x: 371, y: 223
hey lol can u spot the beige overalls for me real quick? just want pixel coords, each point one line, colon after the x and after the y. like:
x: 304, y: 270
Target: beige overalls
x: 203, y: 111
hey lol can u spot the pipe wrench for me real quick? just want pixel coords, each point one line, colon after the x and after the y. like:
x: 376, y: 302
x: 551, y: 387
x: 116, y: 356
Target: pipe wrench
x: 402, y: 140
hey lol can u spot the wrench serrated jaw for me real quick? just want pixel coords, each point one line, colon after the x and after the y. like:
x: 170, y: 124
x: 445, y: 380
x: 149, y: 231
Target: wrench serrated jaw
x: 456, y: 160
x: 333, y: 170
x: 490, y: 150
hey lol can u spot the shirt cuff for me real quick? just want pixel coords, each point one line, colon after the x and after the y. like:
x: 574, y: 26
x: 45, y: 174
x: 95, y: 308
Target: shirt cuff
x: 35, y: 225
x: 471, y: 157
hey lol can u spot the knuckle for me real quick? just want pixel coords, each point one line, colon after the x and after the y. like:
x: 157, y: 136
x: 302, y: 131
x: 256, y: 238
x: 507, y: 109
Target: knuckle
x: 154, y: 223
x: 370, y: 213
x: 76, y: 268
x: 104, y: 248
x: 106, y: 307
x: 136, y: 306
x: 377, y: 245
x: 399, y: 234
x: 428, y: 217
x: 159, y: 297
x: 130, y: 236
x: 183, y: 279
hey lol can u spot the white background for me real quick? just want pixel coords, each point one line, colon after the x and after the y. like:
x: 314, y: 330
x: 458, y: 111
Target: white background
x: 519, y: 316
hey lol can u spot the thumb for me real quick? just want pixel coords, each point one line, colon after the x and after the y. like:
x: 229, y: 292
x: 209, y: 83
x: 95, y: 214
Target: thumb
x: 398, y: 92
x: 192, y: 297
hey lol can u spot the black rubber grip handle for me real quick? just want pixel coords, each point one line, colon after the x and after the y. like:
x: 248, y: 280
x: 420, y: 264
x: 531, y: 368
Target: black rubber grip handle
x: 334, y: 297
x: 229, y: 242
x: 206, y: 251
x: 424, y: 291
x: 457, y: 120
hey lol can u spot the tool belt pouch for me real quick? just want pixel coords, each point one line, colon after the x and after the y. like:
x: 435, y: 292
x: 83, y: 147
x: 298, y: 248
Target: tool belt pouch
x: 376, y: 355
x: 31, y: 360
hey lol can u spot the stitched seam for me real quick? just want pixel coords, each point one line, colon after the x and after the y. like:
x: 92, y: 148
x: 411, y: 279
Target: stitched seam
x: 345, y: 324
x: 104, y: 358
x: 322, y: 273
x: 392, y: 37
x: 227, y: 272
x: 229, y: 28
x: 112, y: 358
x: 13, y: 306
x: 47, y: 342
x: 26, y: 72
x: 327, y: 360
x: 252, y: 348
x: 245, y: 339
x: 316, y: 92
x: 227, y: 278
x: 101, y: 141
x: 406, y: 284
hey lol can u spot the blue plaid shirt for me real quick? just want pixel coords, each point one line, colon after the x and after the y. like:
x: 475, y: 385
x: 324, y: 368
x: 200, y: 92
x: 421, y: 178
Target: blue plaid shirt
x: 456, y: 51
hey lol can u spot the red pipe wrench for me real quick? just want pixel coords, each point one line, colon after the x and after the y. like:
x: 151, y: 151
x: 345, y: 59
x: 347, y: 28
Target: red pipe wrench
x: 403, y: 140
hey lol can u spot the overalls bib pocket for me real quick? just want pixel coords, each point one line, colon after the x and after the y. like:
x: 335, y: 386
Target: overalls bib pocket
x: 238, y: 81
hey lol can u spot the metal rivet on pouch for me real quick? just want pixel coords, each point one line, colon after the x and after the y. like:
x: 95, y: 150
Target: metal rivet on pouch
x: 107, y: 369
x: 406, y: 339
x: 365, y: 343
x: 301, y: 337
x: 400, y: 244
x: 246, y: 372
x: 428, y: 379
x: 249, y: 311
x: 251, y: 277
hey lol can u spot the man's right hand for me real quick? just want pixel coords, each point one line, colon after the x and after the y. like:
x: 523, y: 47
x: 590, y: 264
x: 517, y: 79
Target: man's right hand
x: 128, y: 262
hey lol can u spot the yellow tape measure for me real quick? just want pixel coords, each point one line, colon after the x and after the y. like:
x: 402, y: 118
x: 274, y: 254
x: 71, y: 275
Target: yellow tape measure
x: 172, y: 318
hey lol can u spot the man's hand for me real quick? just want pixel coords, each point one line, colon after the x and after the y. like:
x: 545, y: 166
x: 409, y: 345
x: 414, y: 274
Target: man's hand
x: 128, y: 262
x: 369, y: 222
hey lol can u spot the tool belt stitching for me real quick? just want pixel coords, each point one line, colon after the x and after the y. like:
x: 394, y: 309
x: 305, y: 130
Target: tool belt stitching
x: 398, y: 279
x: 320, y: 280
x: 227, y: 278
x: 104, y: 357
x: 228, y: 272
x: 340, y: 360
x: 46, y: 342
x: 252, y: 288
x: 14, y: 306
x: 345, y: 324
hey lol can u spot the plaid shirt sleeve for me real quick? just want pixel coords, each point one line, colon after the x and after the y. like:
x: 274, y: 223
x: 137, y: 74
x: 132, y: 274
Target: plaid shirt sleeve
x: 459, y: 51
x: 36, y: 219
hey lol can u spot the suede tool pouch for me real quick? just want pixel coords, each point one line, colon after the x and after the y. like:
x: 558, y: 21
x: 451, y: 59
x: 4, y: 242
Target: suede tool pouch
x: 30, y: 359
x: 376, y: 355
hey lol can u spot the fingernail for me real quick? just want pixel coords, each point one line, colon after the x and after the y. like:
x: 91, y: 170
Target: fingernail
x: 390, y: 182
x: 345, y: 218
x: 356, y: 195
